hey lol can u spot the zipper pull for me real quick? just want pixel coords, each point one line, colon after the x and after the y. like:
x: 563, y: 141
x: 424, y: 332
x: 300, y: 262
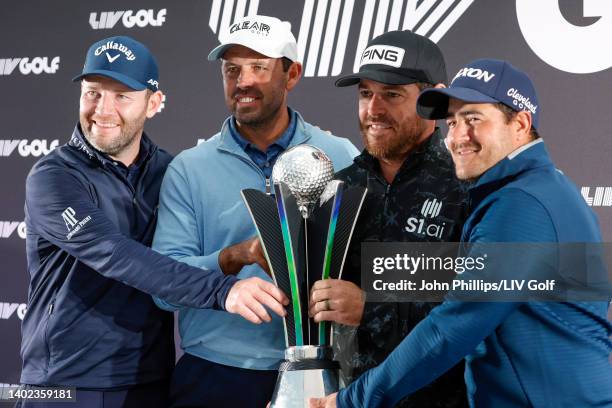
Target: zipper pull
x: 268, y: 186
x: 50, y: 308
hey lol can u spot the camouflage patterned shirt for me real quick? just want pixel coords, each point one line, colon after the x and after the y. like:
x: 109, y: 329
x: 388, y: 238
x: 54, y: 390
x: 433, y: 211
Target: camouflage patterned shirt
x: 392, y: 212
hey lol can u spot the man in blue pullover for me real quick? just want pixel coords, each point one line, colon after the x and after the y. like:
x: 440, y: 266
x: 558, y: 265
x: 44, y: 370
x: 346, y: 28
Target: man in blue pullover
x: 228, y: 361
x: 91, y: 208
x: 518, y: 354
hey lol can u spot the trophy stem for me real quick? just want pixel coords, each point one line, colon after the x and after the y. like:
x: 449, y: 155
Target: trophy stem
x: 329, y: 246
x: 291, y: 266
x: 307, y: 286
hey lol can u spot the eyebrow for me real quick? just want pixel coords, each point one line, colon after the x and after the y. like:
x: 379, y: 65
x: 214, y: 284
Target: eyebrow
x: 463, y: 114
x: 385, y: 87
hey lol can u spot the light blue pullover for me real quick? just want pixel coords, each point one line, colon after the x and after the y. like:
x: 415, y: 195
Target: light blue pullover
x: 200, y: 213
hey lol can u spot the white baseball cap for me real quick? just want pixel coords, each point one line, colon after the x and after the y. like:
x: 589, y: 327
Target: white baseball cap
x: 268, y: 36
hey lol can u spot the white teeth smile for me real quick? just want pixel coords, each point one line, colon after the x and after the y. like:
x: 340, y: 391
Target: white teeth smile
x: 379, y: 126
x: 246, y: 100
x: 106, y: 125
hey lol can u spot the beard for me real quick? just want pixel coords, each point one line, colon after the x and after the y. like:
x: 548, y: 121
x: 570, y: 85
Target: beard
x: 397, y: 145
x: 115, y: 145
x: 270, y: 107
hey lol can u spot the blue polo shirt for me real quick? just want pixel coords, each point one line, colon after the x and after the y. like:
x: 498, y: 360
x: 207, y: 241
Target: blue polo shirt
x: 265, y: 160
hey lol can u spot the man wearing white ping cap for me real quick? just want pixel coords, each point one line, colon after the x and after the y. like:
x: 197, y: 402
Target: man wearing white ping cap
x: 228, y: 361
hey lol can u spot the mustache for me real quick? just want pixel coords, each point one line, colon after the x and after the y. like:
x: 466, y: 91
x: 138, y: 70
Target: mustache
x: 454, y: 146
x: 247, y: 91
x: 380, y: 120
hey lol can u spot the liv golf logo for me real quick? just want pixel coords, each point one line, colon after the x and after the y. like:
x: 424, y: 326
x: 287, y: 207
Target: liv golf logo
x: 563, y: 45
x: 325, y: 26
x: 26, y: 148
x: 129, y: 19
x: 9, y: 229
x: 29, y: 65
x: 597, y: 196
x: 8, y: 310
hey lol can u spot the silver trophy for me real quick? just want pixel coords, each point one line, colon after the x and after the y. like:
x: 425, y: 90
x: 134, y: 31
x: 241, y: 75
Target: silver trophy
x: 304, y: 228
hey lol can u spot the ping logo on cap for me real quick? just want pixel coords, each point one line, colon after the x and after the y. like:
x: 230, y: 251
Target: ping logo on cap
x: 383, y: 54
x: 475, y: 73
x: 253, y: 26
x: 111, y: 45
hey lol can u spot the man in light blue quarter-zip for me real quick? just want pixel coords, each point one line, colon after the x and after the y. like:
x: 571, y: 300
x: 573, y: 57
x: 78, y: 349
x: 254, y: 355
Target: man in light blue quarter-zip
x: 230, y: 361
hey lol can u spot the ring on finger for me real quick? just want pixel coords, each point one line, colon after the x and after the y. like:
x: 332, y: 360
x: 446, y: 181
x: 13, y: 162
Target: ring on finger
x: 327, y: 305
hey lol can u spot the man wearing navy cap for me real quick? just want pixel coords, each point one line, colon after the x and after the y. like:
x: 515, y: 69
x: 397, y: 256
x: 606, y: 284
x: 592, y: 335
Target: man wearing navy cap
x: 405, y: 168
x: 518, y: 354
x: 91, y: 209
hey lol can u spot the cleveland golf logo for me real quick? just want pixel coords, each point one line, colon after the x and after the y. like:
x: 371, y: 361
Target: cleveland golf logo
x: 563, y: 45
x: 521, y: 101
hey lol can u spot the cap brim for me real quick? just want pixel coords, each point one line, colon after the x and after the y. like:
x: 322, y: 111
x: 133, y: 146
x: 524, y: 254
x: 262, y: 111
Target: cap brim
x: 219, y: 50
x: 433, y: 102
x: 385, y: 77
x: 124, y: 79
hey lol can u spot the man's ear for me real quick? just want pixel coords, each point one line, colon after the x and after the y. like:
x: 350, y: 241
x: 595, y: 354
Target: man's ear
x: 154, y: 103
x: 522, y: 126
x: 295, y: 73
x: 440, y: 85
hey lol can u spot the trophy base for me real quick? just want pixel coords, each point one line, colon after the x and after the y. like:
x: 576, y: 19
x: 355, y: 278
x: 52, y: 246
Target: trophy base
x: 307, y: 372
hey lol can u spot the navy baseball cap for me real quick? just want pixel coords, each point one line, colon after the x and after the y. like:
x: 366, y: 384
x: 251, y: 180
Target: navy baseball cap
x: 123, y: 59
x: 483, y: 81
x: 399, y: 58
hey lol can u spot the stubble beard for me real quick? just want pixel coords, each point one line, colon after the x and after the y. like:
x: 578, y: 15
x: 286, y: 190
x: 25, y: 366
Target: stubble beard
x: 115, y: 146
x: 269, y: 111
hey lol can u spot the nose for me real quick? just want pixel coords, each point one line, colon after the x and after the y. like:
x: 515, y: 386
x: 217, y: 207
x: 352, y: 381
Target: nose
x: 105, y: 104
x: 376, y: 106
x: 458, y: 134
x: 246, y: 78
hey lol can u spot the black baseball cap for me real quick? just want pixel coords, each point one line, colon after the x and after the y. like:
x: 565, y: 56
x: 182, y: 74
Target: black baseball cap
x: 399, y: 58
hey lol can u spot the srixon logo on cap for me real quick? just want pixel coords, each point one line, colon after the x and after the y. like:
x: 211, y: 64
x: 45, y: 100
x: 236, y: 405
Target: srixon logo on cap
x: 254, y: 26
x: 383, y: 54
x: 475, y: 73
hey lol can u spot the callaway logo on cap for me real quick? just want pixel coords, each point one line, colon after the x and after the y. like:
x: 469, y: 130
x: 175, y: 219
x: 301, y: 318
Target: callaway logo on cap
x: 268, y: 36
x: 123, y: 59
x: 399, y: 58
x: 483, y: 81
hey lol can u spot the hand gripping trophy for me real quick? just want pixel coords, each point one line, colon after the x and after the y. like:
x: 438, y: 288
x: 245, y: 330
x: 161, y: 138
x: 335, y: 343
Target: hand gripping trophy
x: 305, y: 229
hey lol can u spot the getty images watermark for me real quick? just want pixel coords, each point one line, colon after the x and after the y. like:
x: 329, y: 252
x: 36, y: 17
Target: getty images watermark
x: 433, y: 272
